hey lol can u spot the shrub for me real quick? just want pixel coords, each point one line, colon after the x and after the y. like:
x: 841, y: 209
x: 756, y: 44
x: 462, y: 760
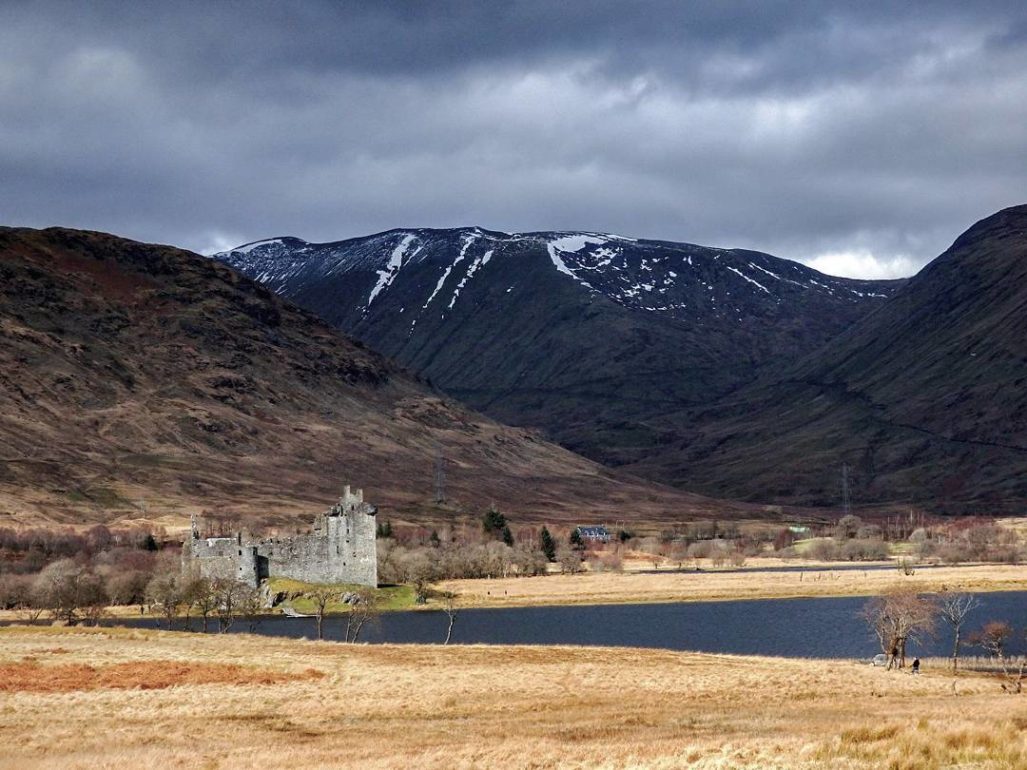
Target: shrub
x: 847, y: 527
x: 864, y: 550
x: 15, y: 591
x: 823, y: 550
x: 955, y: 553
x: 606, y: 562
x: 869, y: 532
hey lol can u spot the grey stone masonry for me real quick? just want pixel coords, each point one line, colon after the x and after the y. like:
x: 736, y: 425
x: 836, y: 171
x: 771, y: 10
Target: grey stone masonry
x: 340, y: 548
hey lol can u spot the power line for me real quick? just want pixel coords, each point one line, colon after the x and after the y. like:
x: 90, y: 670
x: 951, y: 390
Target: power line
x: 845, y: 489
x: 440, y: 476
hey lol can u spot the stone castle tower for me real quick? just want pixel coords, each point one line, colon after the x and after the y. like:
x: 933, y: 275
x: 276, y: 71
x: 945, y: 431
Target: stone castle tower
x: 341, y: 548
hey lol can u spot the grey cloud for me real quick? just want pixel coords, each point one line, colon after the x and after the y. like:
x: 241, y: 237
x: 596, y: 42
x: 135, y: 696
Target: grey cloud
x: 803, y: 129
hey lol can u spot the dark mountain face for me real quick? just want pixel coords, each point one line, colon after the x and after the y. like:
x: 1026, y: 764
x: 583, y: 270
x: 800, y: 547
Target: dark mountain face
x: 593, y: 338
x: 143, y: 382
x: 925, y: 399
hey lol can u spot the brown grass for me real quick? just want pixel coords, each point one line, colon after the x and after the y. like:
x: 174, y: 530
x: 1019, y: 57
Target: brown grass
x: 397, y: 706
x: 29, y: 675
x: 708, y: 585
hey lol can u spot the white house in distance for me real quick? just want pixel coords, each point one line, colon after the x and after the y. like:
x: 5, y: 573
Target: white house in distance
x: 593, y: 534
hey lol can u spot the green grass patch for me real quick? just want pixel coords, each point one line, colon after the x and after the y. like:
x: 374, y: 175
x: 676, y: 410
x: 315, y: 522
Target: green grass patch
x: 802, y: 546
x: 399, y: 597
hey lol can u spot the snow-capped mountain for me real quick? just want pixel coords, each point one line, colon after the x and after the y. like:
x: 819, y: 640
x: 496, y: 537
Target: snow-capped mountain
x: 682, y: 279
x: 589, y: 336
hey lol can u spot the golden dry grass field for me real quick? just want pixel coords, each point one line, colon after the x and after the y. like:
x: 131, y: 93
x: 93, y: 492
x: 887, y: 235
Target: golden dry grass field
x: 708, y: 585
x: 131, y: 698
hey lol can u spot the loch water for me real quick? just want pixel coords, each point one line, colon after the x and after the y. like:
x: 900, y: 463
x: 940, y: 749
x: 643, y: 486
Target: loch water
x: 809, y: 627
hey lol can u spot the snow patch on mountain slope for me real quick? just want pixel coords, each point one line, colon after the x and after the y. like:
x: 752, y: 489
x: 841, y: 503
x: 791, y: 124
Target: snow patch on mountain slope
x: 395, y: 264
x: 571, y: 244
x: 742, y: 275
x: 247, y: 248
x: 478, y: 263
x: 764, y: 270
x: 468, y: 240
x: 575, y: 243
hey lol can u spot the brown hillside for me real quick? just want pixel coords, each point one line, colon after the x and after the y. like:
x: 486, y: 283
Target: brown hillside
x: 142, y: 382
x: 925, y: 398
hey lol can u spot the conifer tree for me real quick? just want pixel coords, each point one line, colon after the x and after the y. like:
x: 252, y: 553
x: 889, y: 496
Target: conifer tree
x: 493, y: 522
x: 547, y: 545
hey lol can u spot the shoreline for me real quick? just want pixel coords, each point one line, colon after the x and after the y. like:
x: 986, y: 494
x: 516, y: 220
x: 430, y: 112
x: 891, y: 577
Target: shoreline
x: 659, y: 587
x: 646, y: 586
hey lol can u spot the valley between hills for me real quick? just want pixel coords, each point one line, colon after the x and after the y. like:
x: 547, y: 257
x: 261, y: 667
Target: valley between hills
x: 725, y: 372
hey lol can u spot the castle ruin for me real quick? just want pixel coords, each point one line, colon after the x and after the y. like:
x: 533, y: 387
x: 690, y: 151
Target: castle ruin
x: 340, y: 548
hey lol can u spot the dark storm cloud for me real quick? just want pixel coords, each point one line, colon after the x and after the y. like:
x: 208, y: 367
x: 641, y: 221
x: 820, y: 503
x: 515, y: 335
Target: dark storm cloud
x: 861, y: 139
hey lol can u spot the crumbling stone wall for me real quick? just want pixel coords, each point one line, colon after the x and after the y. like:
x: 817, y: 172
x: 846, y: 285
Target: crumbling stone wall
x: 341, y: 548
x: 220, y: 557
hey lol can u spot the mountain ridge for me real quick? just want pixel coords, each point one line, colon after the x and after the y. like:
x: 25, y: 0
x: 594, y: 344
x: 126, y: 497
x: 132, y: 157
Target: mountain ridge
x: 587, y: 336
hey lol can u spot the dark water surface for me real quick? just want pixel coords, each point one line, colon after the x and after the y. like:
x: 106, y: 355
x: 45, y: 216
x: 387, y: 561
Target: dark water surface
x: 814, y: 628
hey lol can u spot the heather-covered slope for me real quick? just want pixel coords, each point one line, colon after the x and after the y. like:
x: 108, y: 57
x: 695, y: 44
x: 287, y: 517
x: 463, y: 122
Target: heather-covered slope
x: 925, y: 398
x: 146, y: 382
x: 591, y: 337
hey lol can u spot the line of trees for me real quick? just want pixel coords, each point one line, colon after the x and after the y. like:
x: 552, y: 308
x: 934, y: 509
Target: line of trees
x: 490, y: 552
x: 28, y: 551
x: 172, y: 595
x: 73, y: 590
x: 364, y: 608
x: 42, y: 569
x: 902, y: 616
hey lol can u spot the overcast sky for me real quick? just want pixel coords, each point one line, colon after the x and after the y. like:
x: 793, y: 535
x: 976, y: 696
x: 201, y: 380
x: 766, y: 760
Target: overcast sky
x: 861, y: 138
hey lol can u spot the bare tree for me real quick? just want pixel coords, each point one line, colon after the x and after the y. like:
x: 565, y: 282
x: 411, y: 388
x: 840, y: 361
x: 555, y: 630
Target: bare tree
x: 679, y: 553
x: 203, y: 598
x: 450, y: 609
x: 164, y: 593
x: 69, y: 592
x: 92, y: 598
x: 189, y: 588
x: 847, y: 527
x: 897, y: 618
x: 365, y: 609
x: 128, y: 587
x: 995, y: 638
x: 953, y: 609
x: 17, y: 593
x: 569, y: 559
x: 650, y: 546
x: 699, y: 551
x: 420, y: 570
x: 322, y: 596
x: 228, y: 596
